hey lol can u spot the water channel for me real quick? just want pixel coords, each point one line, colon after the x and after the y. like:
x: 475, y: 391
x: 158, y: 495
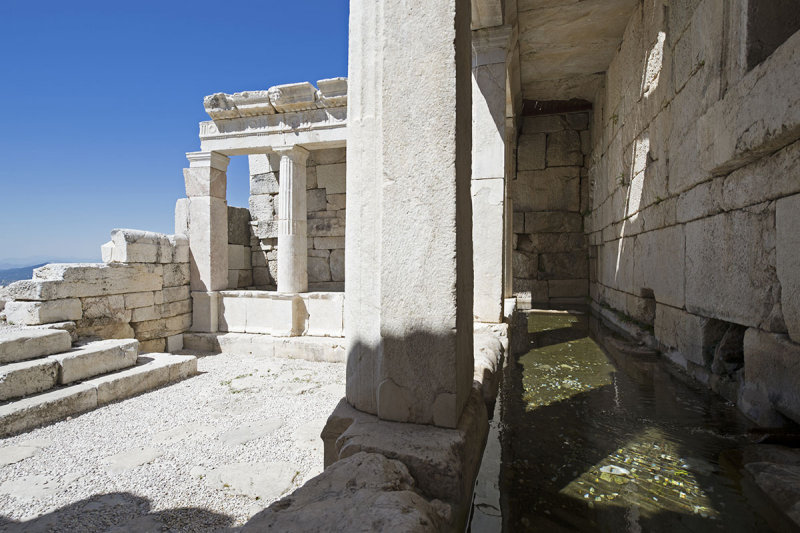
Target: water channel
x: 588, y: 439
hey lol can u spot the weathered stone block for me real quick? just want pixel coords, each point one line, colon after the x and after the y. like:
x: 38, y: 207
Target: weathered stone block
x: 519, y: 222
x: 695, y: 337
x: 316, y: 200
x: 658, y: 264
x: 329, y: 243
x: 326, y: 227
x: 25, y: 344
x: 176, y: 274
x: 95, y: 358
x: 325, y: 314
x: 772, y: 365
x: 332, y: 178
x: 570, y: 265
x: 337, y: 265
x: 293, y: 97
x: 564, y: 149
x: 205, y: 182
x: 78, y: 280
x: 205, y: 311
x: 552, y: 189
x: 553, y: 222
x: 266, y: 229
x: 787, y: 246
x: 336, y: 202
x: 238, y: 226
x: 568, y: 288
x: 266, y: 183
x: 746, y: 291
x: 181, y: 219
x: 531, y: 152
x: 139, y: 299
x: 174, y: 294
x: 318, y: 269
x: 143, y: 314
x: 112, y: 307
x: 34, y: 313
x: 525, y: 265
x: 263, y: 207
x: 238, y: 257
x: 27, y: 377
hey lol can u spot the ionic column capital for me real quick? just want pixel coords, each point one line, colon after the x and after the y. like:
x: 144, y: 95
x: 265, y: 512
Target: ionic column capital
x: 296, y: 153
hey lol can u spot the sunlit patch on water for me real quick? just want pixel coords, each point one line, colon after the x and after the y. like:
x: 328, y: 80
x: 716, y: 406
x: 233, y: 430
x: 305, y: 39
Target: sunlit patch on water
x: 648, y: 473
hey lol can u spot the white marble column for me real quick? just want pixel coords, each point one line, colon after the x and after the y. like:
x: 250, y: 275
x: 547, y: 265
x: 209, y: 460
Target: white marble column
x: 489, y: 188
x: 408, y: 260
x: 206, y: 187
x: 292, y: 222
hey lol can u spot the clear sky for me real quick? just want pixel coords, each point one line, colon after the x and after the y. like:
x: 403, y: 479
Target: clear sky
x: 102, y: 100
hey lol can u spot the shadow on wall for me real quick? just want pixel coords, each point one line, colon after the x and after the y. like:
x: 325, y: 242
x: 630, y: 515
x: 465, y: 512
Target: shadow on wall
x: 119, y: 512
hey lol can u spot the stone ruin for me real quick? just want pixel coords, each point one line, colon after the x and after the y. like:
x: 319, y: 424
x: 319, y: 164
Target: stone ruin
x: 636, y: 157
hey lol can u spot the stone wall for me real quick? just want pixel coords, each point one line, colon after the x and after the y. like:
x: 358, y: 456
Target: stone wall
x: 550, y: 191
x: 140, y: 291
x: 694, y: 201
x: 240, y: 270
x: 326, y: 219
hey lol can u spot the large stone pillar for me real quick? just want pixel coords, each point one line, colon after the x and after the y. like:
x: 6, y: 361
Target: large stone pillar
x: 206, y: 187
x: 409, y: 220
x: 489, y: 191
x: 292, y: 222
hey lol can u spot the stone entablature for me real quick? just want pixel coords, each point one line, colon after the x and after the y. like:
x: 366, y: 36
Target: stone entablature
x: 284, y: 115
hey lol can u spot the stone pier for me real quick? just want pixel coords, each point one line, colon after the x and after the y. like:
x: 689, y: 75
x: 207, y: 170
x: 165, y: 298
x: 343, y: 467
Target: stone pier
x: 206, y: 184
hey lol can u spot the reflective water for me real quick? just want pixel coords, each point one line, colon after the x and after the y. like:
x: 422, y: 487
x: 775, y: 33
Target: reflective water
x: 593, y: 442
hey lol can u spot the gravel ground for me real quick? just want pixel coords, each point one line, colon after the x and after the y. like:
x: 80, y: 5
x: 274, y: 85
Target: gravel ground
x: 204, y: 454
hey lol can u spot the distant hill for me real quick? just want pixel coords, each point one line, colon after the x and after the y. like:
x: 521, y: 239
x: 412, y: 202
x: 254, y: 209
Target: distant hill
x: 11, y: 275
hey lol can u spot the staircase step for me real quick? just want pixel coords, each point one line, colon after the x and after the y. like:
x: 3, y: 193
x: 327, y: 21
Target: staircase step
x: 27, y: 377
x: 29, y: 343
x: 151, y: 371
x: 95, y: 358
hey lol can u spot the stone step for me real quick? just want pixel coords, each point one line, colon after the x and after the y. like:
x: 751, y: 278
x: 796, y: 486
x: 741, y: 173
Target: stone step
x: 325, y: 349
x: 24, y: 344
x: 27, y: 377
x: 151, y: 371
x: 95, y: 358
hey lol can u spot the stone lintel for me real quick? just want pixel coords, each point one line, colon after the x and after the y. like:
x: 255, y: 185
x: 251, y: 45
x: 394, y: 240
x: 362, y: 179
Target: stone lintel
x: 444, y: 462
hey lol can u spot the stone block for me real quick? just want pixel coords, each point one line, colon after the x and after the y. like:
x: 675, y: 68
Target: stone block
x: 27, y: 377
x: 552, y: 189
x: 143, y: 314
x: 266, y: 229
x: 181, y: 218
x: 262, y: 277
x: 266, y: 183
x: 553, y: 222
x: 45, y: 408
x: 205, y: 182
x: 543, y: 124
x: 139, y: 299
x: 178, y: 324
x: 104, y: 328
x: 659, y: 264
x: 136, y: 246
x: 150, y: 329
x: 316, y: 200
x: 332, y: 178
x: 329, y: 243
x: 337, y: 265
x: 174, y: 294
x: 568, y: 288
x: 336, y: 202
x: 238, y: 225
x: 326, y: 227
x: 319, y: 269
x: 262, y: 164
x: 772, y: 366
x: 233, y: 313
x: 293, y: 97
x: 171, y: 309
x: 176, y: 274
x: 34, y: 313
x: 175, y: 343
x: 157, y: 369
x: 238, y: 257
x: 525, y: 265
x: 95, y: 358
x: 519, y: 222
x: 263, y: 207
x: 205, y: 311
x: 746, y: 291
x: 180, y: 248
x: 325, y: 314
x: 569, y: 265
x: 787, y: 245
x: 377, y: 487
x: 564, y: 149
x: 695, y: 337
x: 531, y: 151
x: 112, y: 307
x: 281, y: 315
x: 577, y: 121
x: 152, y: 346
x: 79, y: 280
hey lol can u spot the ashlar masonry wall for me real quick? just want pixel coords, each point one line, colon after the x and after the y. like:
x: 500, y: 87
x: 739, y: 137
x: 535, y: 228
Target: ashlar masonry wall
x: 326, y: 200
x: 549, y: 194
x: 140, y: 291
x: 695, y: 198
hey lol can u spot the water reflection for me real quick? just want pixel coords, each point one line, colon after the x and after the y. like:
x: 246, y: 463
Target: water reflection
x: 589, y: 447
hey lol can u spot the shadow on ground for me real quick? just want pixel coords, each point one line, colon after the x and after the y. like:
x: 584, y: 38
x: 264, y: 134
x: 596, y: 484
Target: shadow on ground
x: 120, y: 512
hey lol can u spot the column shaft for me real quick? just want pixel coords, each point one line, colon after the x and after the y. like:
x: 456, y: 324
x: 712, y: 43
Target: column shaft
x: 292, y: 223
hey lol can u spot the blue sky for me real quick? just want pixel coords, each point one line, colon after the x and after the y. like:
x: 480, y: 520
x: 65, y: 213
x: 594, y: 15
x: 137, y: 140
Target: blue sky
x: 102, y: 100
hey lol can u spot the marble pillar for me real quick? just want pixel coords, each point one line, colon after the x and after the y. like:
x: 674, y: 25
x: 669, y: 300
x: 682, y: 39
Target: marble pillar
x: 292, y: 221
x: 409, y: 219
